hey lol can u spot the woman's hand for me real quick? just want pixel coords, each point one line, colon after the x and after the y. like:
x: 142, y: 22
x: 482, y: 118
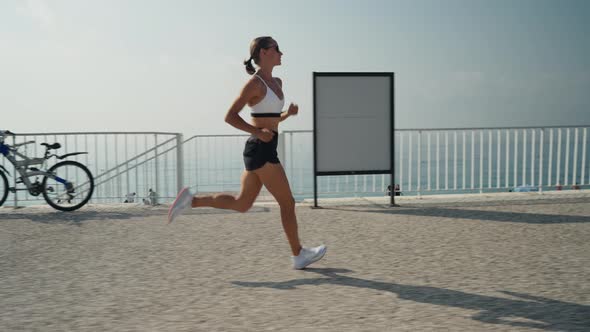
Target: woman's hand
x: 293, y: 109
x: 265, y: 135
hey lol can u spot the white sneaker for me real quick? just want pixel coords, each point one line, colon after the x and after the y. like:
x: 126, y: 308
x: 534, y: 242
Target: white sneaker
x: 182, y: 203
x: 308, y: 256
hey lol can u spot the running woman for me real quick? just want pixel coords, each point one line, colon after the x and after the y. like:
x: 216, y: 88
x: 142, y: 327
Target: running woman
x: 263, y: 94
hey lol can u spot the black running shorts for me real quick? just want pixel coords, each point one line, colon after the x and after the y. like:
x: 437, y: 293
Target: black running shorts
x: 257, y: 153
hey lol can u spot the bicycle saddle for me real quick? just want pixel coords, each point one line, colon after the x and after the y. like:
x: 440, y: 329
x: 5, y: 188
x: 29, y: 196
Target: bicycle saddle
x: 52, y: 146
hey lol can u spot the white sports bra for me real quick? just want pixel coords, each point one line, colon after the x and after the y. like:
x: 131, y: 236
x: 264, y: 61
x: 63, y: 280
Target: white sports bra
x: 270, y: 105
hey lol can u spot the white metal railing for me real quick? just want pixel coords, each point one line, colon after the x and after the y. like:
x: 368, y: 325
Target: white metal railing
x: 526, y: 154
x: 427, y: 161
x: 214, y: 163
x: 459, y: 160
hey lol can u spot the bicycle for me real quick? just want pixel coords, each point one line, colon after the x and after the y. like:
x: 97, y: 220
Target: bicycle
x: 66, y: 186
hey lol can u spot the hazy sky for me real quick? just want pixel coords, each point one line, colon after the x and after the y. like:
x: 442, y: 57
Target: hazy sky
x: 176, y: 66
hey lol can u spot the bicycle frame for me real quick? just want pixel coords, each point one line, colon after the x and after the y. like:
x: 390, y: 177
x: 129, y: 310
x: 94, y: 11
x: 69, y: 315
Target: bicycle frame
x: 23, y: 165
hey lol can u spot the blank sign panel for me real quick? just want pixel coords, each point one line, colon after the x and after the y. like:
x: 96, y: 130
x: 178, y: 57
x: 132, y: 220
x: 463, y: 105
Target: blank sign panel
x: 353, y: 122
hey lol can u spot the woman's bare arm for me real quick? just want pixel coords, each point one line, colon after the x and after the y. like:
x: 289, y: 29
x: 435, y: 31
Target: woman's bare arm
x: 233, y: 117
x: 293, y: 108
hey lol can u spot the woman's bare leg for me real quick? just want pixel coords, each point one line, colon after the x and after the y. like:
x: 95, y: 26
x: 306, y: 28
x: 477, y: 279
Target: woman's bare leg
x: 251, y: 185
x: 275, y: 180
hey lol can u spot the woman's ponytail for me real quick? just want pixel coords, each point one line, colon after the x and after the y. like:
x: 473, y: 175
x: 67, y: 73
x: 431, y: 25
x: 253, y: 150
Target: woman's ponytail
x: 249, y: 67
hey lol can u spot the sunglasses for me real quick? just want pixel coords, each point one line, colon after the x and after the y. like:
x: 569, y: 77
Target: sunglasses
x: 276, y: 47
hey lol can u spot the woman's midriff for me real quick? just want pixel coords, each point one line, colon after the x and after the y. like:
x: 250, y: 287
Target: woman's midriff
x: 268, y: 123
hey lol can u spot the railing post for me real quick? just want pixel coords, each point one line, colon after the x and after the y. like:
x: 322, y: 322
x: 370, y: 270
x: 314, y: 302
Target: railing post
x: 489, y: 159
x: 498, y: 162
x: 117, y: 171
x: 156, y: 187
x: 419, y: 185
x: 291, y: 173
x: 97, y: 188
x: 583, y: 158
x: 428, y: 162
x: 541, y: 143
x: 558, y: 174
x: 179, y: 163
x: 464, y: 158
x: 281, y: 148
x: 291, y: 167
x: 446, y: 160
x: 410, y: 161
x: 567, y: 157
x: 127, y: 188
x: 524, y: 135
x: 472, y: 159
x: 437, y: 160
x: 106, y: 167
x: 14, y: 178
x: 550, y: 159
x: 516, y: 158
x: 481, y: 161
x: 507, y: 176
x: 575, y: 164
x: 401, y: 162
x: 455, y: 161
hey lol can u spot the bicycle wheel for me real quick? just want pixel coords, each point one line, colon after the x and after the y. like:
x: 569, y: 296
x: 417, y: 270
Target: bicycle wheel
x: 68, y: 186
x: 3, y: 188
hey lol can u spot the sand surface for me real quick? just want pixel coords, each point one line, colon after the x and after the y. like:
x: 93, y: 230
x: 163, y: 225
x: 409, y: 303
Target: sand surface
x: 511, y: 265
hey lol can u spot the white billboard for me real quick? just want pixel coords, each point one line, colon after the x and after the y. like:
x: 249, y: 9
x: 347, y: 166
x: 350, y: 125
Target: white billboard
x: 353, y: 123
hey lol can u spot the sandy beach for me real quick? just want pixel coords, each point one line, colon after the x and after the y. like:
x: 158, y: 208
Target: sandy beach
x: 463, y: 265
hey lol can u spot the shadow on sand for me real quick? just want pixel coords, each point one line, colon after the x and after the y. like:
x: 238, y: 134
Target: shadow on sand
x: 102, y: 214
x: 72, y: 218
x: 454, y: 212
x: 542, y: 313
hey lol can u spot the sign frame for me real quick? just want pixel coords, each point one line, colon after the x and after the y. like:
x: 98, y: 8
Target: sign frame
x: 391, y: 122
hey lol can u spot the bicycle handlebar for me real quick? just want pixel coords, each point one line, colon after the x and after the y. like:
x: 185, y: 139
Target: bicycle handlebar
x: 6, y: 133
x: 23, y: 143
